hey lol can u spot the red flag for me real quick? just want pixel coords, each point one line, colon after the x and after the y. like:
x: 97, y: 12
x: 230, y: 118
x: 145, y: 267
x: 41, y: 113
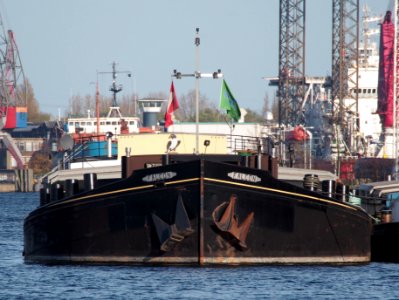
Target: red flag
x: 173, y: 104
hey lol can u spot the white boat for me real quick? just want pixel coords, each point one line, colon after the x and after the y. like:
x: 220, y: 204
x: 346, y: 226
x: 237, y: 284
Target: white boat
x: 114, y: 122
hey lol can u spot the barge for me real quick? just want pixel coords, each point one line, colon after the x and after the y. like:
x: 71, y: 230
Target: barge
x: 176, y: 209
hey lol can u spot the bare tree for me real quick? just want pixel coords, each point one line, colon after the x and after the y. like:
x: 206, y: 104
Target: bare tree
x: 128, y: 106
x: 89, y: 104
x: 208, y: 110
x: 187, y: 107
x: 158, y: 95
x: 34, y: 113
x: 75, y: 105
x: 275, y: 108
x: 266, y: 105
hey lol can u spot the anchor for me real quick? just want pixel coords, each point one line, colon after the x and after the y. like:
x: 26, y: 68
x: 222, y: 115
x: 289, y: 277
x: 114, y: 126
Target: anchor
x: 226, y: 221
x: 170, y: 235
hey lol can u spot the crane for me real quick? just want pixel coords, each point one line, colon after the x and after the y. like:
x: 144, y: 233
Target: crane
x: 12, y: 89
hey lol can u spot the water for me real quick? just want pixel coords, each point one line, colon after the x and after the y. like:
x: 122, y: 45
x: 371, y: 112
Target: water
x: 23, y: 281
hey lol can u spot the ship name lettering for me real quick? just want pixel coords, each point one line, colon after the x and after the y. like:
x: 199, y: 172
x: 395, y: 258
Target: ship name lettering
x: 159, y: 176
x: 244, y: 177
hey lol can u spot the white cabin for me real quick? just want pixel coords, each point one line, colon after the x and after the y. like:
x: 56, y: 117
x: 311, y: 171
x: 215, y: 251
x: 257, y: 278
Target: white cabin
x: 111, y: 123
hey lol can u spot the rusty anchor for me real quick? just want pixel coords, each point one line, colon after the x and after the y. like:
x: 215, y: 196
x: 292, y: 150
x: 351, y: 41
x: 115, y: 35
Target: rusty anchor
x: 170, y: 235
x: 226, y: 221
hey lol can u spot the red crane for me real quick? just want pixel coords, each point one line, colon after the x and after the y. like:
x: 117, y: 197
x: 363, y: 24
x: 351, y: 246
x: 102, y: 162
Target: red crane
x: 12, y: 92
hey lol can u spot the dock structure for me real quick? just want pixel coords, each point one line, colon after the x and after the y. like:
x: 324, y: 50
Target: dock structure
x: 18, y: 180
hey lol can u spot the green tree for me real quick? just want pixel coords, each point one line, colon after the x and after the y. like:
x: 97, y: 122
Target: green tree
x: 253, y: 116
x: 210, y: 114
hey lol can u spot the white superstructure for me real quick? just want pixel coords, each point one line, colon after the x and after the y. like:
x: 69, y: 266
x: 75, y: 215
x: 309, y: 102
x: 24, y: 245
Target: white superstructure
x: 114, y: 123
x: 369, y: 120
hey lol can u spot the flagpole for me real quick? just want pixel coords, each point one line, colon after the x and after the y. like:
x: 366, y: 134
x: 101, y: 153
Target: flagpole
x: 198, y: 75
x: 395, y: 87
x: 229, y: 103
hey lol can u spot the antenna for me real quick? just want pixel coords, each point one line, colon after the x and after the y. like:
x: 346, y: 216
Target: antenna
x: 198, y: 75
x: 115, y: 88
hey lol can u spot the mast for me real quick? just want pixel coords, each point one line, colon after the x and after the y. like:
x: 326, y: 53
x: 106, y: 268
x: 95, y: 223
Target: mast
x: 115, y: 88
x: 395, y: 87
x: 98, y: 107
x: 198, y: 75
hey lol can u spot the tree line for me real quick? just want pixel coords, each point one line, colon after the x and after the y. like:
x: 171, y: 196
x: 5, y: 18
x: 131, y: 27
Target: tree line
x: 81, y: 106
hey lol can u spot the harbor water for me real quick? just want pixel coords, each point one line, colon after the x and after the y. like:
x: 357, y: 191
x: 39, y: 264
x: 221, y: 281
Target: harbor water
x: 34, y: 281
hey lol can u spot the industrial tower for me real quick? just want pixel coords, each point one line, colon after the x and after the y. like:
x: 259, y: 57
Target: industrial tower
x: 292, y: 80
x: 345, y: 68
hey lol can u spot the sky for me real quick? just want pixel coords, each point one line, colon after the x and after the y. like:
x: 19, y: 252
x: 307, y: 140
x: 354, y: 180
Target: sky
x: 66, y: 45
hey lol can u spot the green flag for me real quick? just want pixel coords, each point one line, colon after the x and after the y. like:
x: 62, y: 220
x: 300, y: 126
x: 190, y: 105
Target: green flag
x: 228, y: 102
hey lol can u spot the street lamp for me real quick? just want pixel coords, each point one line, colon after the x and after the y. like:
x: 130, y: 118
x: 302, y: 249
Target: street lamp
x: 197, y: 74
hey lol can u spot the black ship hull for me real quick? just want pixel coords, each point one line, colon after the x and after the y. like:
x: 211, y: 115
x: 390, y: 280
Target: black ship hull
x: 385, y: 242
x: 198, y: 213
